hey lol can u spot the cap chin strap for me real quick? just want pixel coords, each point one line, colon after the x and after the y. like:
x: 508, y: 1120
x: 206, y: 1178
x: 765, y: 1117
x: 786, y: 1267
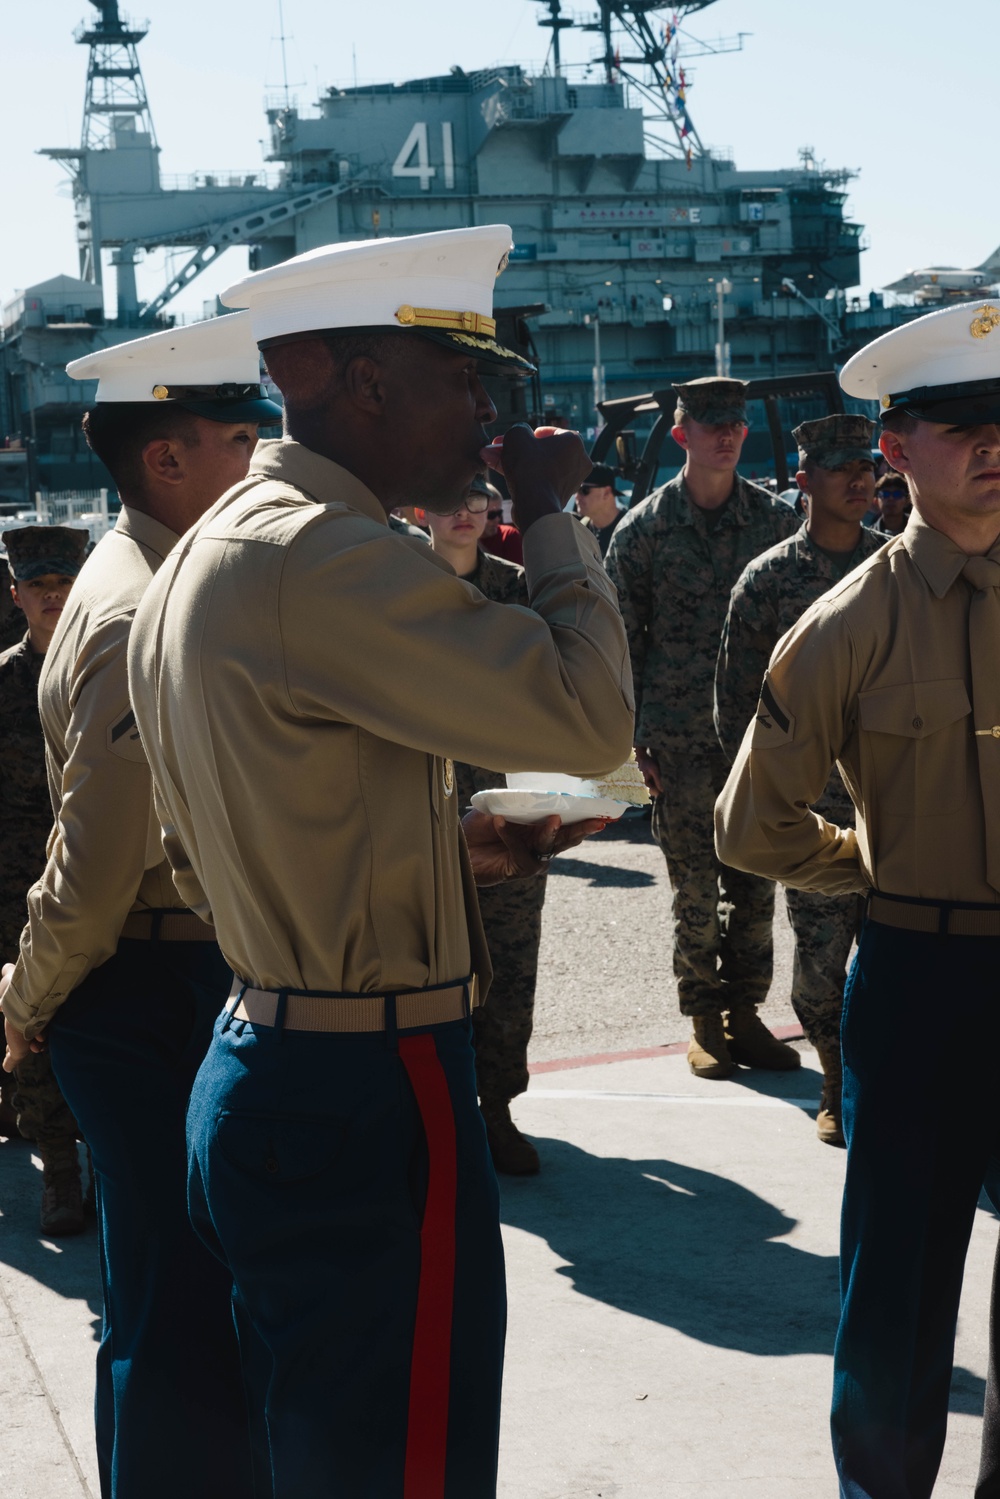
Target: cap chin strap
x: 227, y: 392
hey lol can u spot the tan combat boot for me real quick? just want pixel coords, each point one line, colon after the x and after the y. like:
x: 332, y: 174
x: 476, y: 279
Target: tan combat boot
x: 513, y: 1154
x: 829, y: 1124
x: 752, y: 1045
x: 708, y: 1054
x: 62, y: 1195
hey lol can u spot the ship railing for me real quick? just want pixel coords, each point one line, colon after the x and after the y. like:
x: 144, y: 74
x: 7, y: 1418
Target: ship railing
x: 256, y: 178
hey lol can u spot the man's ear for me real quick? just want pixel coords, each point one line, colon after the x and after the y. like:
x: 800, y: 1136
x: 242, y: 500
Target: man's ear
x: 13, y: 594
x: 419, y: 514
x: 891, y: 447
x: 365, y: 385
x: 802, y: 480
x: 680, y: 436
x: 160, y: 457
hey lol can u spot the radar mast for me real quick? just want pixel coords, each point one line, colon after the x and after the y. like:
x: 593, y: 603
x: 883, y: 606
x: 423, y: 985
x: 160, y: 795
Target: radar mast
x: 659, y: 44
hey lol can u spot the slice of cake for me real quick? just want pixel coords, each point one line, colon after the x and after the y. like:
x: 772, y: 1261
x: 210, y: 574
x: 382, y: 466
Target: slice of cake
x: 622, y: 785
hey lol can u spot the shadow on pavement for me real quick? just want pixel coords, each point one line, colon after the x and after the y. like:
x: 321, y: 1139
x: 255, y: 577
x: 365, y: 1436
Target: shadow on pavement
x: 69, y: 1267
x: 680, y: 1246
x: 800, y: 1088
x: 600, y: 874
x: 967, y: 1392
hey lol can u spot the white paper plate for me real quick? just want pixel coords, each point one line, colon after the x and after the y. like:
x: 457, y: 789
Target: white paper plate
x: 533, y: 806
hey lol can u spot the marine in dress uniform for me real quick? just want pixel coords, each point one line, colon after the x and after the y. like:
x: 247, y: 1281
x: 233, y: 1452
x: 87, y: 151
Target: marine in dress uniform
x: 892, y: 676
x: 301, y: 676
x: 115, y: 975
x: 43, y: 561
x: 674, y: 560
x: 836, y: 471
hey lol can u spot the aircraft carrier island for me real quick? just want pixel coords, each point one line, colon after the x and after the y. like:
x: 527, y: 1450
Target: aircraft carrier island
x: 640, y: 255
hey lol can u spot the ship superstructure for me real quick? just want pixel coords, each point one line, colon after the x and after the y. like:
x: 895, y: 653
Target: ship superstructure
x: 640, y: 256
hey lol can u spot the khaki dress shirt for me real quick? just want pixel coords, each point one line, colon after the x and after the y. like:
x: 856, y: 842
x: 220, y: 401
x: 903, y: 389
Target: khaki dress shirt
x: 105, y: 858
x: 875, y: 677
x: 303, y: 678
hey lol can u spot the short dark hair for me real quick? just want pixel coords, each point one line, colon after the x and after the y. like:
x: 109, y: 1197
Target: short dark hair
x: 898, y: 421
x: 891, y: 480
x: 379, y: 346
x: 119, y: 430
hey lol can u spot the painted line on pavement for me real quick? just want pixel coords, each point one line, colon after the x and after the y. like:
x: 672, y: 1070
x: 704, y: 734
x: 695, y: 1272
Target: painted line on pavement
x: 750, y: 1101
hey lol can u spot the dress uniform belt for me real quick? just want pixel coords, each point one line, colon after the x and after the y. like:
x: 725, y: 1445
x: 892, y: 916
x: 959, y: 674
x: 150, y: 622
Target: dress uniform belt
x: 946, y: 918
x: 322, y: 1010
x: 174, y: 924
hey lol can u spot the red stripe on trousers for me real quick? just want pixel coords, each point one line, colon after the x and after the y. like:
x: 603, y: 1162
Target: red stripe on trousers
x: 430, y: 1370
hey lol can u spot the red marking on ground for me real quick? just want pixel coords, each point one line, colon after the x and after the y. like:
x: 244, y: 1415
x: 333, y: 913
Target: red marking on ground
x: 783, y: 1033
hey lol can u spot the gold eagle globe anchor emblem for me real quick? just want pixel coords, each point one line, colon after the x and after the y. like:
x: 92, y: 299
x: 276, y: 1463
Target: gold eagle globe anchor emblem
x: 985, y: 321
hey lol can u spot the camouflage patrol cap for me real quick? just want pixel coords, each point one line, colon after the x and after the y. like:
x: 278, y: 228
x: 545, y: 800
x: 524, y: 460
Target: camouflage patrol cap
x: 33, y: 551
x: 830, y: 441
x: 713, y: 401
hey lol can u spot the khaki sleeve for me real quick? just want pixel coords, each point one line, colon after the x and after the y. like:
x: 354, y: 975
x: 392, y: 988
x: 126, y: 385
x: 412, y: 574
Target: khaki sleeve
x: 185, y: 881
x: 379, y: 636
x: 763, y: 819
x: 105, y: 836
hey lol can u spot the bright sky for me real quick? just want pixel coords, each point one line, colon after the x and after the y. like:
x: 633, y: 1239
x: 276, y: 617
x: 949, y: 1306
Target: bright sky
x: 893, y: 89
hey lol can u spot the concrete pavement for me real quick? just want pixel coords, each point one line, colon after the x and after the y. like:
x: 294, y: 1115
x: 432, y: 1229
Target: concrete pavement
x: 673, y: 1292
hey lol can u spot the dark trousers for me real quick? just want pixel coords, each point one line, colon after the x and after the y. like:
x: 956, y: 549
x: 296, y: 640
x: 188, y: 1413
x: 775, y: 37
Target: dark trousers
x: 346, y: 1182
x: 170, y: 1407
x: 920, y: 1128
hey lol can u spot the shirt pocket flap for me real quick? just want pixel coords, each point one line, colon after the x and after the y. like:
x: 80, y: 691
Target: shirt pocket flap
x: 914, y: 709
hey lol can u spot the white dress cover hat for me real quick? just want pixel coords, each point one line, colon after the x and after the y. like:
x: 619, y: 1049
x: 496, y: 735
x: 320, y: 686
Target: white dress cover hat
x: 439, y: 286
x: 211, y: 368
x: 944, y: 367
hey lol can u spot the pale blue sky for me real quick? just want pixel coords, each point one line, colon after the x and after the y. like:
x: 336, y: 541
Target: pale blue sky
x: 904, y: 90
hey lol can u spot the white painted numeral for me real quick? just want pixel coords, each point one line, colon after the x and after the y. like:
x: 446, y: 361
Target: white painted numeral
x: 415, y: 145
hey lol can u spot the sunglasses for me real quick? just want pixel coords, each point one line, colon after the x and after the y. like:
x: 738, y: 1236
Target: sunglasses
x: 494, y: 515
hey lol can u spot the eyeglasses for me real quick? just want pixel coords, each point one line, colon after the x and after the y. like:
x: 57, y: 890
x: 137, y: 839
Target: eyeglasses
x: 494, y: 515
x: 474, y: 503
x: 586, y: 488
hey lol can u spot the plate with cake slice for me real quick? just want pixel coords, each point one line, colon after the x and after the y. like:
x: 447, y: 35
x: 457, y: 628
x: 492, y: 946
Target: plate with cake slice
x: 531, y: 796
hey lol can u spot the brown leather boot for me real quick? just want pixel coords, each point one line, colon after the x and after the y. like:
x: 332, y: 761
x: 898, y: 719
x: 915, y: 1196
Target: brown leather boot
x: 513, y: 1153
x: 829, y: 1124
x: 708, y: 1054
x: 752, y: 1045
x: 62, y: 1196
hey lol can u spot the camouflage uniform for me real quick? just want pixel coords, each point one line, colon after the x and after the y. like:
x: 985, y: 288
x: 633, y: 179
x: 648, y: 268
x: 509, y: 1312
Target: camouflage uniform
x: 773, y: 591
x: 674, y: 565
x: 512, y: 913
x: 25, y: 823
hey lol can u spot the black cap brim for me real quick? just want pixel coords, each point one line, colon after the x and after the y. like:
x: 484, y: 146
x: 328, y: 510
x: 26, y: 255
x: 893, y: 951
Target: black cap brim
x: 494, y: 358
x: 973, y: 403
x: 265, y: 413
